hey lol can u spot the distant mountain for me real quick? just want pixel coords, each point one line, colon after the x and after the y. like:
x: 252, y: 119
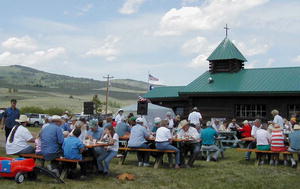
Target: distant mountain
x: 21, y: 77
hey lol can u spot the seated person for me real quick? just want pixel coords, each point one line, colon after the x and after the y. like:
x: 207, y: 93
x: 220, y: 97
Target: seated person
x: 65, y: 125
x: 208, y: 136
x: 217, y: 125
x: 277, y: 143
x: 131, y: 121
x: 52, y: 139
x: 109, y: 122
x: 73, y: 148
x: 157, y: 122
x: 80, y: 125
x: 262, y: 142
x: 17, y: 142
x: 192, y: 146
x: 246, y: 129
x: 122, y: 128
x: 94, y: 132
x: 108, y: 153
x: 138, y: 139
x: 163, y: 141
x: 233, y: 126
x: 294, y: 139
x: 38, y: 144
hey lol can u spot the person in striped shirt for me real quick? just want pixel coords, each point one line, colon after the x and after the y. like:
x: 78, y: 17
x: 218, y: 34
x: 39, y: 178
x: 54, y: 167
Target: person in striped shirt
x: 277, y: 144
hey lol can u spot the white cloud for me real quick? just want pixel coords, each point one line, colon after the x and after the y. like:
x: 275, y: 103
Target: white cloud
x: 31, y: 58
x: 86, y: 8
x: 131, y: 6
x: 108, y: 50
x: 209, y: 15
x: 296, y: 59
x: 252, y: 47
x: 21, y: 43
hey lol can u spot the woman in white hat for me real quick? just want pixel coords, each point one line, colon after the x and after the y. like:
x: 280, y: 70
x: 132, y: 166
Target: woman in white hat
x: 17, y: 142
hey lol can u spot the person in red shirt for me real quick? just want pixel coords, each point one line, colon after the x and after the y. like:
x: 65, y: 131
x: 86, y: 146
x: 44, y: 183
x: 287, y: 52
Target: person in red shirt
x: 246, y: 129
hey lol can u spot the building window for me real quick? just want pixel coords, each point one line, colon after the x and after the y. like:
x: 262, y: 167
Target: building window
x: 250, y: 111
x: 294, y: 110
x: 179, y: 111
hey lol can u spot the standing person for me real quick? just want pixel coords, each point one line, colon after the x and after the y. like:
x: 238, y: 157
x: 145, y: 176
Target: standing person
x: 195, y: 117
x: 9, y: 117
x: 19, y: 137
x: 277, y: 144
x: 52, y: 139
x: 252, y: 145
x: 294, y: 147
x: 170, y: 120
x: 138, y: 139
x: 177, y: 121
x: 163, y: 141
x: 208, y: 136
x: 192, y: 145
x: 119, y: 117
x: 108, y: 153
x: 122, y: 128
x: 277, y: 118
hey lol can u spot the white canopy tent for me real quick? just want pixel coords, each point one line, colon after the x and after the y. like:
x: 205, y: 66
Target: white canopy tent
x: 153, y: 112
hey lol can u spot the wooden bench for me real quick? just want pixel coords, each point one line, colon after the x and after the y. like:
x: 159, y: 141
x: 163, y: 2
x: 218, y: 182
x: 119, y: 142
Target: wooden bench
x: 158, y: 160
x: 258, y: 152
x: 61, y: 159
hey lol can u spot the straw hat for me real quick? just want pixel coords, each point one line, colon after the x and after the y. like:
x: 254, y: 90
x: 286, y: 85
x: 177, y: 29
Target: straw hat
x: 183, y: 123
x: 245, y: 122
x: 296, y: 127
x: 22, y: 119
x: 276, y: 127
x: 56, y: 118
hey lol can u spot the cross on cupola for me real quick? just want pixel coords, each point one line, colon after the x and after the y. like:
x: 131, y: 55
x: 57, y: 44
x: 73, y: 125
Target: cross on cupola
x: 226, y: 57
x: 226, y: 30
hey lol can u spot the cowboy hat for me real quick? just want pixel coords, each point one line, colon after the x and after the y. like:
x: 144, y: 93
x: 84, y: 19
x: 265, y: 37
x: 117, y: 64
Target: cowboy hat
x: 22, y: 119
x: 183, y: 123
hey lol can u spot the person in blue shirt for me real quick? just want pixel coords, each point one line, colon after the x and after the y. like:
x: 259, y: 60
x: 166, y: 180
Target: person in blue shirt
x: 66, y: 126
x: 9, y: 116
x: 294, y: 140
x: 208, y: 136
x: 73, y: 148
x: 138, y: 139
x: 52, y: 139
x: 94, y: 132
x: 122, y: 128
x: 108, y: 123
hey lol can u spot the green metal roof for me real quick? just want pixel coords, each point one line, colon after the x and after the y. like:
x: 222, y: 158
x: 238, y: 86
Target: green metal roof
x: 164, y: 92
x: 260, y: 80
x: 226, y: 50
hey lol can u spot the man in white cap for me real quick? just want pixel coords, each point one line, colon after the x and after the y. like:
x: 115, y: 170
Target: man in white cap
x: 119, y: 116
x: 195, y: 117
x: 138, y: 139
x: 17, y: 142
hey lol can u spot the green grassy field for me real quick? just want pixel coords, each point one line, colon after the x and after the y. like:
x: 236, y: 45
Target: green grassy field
x: 231, y: 172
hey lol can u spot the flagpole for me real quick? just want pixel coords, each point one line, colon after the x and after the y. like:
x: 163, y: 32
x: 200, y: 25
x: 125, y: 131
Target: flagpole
x: 148, y: 81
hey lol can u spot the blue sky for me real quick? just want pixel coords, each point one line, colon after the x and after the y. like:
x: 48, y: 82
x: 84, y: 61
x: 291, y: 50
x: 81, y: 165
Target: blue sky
x: 128, y: 38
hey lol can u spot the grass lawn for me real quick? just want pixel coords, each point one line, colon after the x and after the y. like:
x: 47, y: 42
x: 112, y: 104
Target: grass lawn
x: 231, y: 172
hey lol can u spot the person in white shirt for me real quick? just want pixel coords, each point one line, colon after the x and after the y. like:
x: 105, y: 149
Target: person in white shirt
x: 277, y: 118
x: 192, y: 145
x: 108, y: 153
x: 252, y: 145
x: 195, y: 117
x: 119, y: 117
x: 17, y: 142
x: 163, y: 141
x: 170, y: 120
x: 263, y: 139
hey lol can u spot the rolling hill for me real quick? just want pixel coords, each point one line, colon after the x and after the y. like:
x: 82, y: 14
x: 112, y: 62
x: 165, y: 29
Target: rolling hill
x: 39, y: 88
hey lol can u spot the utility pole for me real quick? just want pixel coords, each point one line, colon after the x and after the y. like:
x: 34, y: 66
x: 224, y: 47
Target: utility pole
x: 108, y: 77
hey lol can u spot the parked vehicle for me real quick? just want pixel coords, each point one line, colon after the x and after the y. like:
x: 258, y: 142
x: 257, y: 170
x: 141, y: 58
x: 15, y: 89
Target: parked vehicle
x: 36, y: 119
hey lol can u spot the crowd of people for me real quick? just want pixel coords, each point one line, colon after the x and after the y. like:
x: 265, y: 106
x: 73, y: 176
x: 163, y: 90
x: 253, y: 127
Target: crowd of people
x: 66, y: 136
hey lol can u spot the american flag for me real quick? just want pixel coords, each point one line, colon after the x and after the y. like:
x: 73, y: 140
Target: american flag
x: 152, y: 78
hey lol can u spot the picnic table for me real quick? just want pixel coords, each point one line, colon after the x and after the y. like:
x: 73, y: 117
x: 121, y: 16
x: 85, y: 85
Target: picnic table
x: 229, y: 137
